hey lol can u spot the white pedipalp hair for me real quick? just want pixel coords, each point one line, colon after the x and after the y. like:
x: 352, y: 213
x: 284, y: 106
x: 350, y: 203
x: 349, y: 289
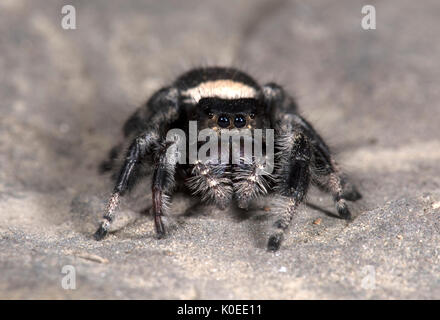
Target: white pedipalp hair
x: 248, y: 182
x: 210, y: 183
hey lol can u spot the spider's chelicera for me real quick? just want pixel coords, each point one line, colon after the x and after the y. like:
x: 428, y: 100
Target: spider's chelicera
x: 225, y: 139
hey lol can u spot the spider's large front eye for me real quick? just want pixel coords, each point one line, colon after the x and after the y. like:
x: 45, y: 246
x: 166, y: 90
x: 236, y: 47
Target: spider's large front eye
x: 223, y: 121
x: 239, y: 121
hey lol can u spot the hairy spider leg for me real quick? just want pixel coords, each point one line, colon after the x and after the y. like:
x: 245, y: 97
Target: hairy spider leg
x: 293, y: 180
x: 165, y: 102
x: 326, y: 173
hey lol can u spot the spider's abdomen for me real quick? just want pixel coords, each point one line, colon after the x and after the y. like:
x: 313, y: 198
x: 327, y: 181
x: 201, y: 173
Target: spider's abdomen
x: 224, y: 76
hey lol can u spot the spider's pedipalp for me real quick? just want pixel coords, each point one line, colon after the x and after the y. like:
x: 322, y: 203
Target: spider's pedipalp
x: 212, y: 183
x: 250, y: 181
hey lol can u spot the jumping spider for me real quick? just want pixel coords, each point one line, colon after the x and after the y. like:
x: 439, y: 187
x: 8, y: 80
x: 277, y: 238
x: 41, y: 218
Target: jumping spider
x: 226, y: 98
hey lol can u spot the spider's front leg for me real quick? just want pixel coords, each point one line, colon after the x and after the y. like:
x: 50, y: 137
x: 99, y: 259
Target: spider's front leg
x: 162, y: 184
x: 136, y: 152
x: 293, y: 180
x: 165, y: 104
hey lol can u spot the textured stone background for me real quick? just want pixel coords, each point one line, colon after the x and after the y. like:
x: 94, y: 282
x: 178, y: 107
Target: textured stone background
x: 64, y: 95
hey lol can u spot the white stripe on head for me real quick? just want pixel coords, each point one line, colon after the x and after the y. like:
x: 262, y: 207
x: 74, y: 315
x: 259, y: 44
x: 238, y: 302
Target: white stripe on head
x: 223, y: 89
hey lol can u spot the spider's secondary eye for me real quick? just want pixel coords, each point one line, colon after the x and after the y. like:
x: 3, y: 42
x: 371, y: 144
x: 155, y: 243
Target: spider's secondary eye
x: 210, y: 115
x: 252, y: 115
x: 239, y: 121
x: 223, y: 121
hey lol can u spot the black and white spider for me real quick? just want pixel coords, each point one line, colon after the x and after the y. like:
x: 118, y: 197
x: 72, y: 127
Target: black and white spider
x: 226, y: 98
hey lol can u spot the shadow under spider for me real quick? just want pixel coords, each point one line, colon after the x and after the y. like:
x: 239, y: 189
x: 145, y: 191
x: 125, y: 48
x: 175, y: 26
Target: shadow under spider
x: 325, y: 211
x: 201, y: 209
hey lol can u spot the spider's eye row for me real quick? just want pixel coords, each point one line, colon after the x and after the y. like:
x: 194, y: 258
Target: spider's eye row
x: 223, y: 121
x: 239, y: 121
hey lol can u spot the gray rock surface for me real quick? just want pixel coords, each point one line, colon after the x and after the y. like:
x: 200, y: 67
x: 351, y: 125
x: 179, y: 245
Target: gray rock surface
x: 65, y: 94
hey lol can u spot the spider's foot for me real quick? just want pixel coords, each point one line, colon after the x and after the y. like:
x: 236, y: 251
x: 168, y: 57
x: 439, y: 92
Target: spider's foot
x: 343, y: 211
x: 160, y: 227
x: 100, y: 233
x: 274, y: 242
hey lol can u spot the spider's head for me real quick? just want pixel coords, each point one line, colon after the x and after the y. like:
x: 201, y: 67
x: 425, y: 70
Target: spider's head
x: 226, y: 104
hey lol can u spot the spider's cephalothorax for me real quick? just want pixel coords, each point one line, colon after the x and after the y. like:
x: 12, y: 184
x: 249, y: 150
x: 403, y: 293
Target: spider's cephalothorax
x: 222, y: 99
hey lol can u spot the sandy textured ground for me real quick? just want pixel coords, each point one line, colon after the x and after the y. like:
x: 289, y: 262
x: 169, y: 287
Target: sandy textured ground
x: 64, y: 95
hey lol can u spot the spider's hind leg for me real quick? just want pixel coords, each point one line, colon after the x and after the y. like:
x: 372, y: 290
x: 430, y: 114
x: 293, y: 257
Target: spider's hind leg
x: 326, y: 174
x: 333, y: 184
x: 328, y: 178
